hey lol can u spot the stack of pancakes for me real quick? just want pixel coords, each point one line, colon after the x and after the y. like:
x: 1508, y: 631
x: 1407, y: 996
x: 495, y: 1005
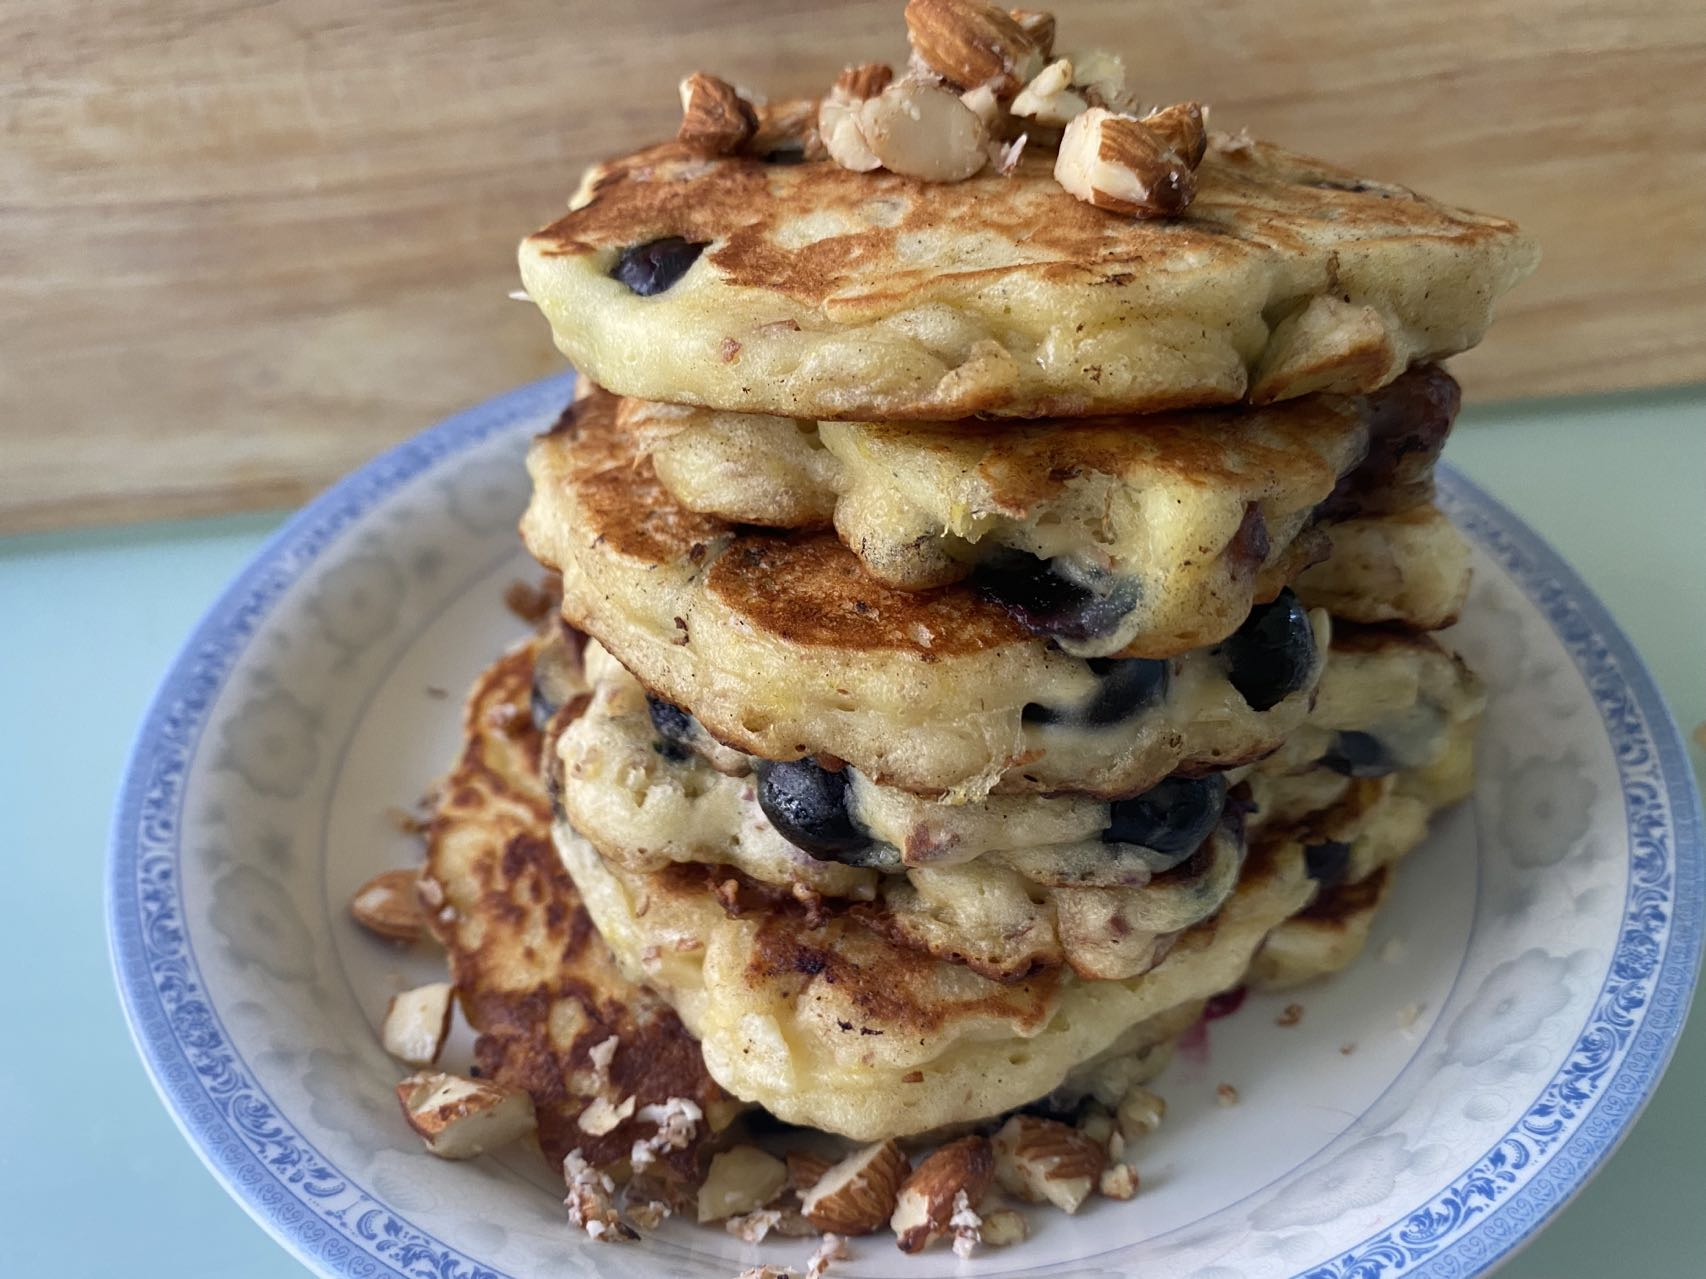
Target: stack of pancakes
x: 992, y: 625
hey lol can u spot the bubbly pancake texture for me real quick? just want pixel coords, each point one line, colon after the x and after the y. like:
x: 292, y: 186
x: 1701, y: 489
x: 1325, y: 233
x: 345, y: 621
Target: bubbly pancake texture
x: 1181, y: 521
x: 781, y: 646
x: 823, y: 293
x: 532, y: 975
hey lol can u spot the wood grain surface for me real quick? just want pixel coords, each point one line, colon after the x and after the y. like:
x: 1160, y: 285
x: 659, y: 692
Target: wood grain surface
x: 244, y: 246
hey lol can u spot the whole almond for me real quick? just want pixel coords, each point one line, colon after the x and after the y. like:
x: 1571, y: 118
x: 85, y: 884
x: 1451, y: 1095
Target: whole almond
x: 388, y: 907
x: 857, y: 1196
x: 715, y: 119
x: 968, y: 44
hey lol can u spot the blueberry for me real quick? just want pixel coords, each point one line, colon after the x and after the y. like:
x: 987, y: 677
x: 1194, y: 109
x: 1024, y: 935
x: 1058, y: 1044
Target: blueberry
x: 651, y: 268
x: 1172, y: 818
x: 674, y: 728
x: 1357, y: 754
x: 1045, y: 602
x: 1272, y: 654
x: 1327, y: 862
x: 1128, y: 685
x: 808, y: 805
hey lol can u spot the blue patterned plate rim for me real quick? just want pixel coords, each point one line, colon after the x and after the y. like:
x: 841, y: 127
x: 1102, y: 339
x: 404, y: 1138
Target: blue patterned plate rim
x: 1468, y: 1227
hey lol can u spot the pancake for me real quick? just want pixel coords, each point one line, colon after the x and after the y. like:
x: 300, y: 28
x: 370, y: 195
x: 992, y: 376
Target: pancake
x: 1105, y: 909
x: 781, y: 646
x: 1411, y: 567
x: 1167, y: 519
x: 836, y: 1026
x: 532, y: 975
x: 1392, y: 700
x: 823, y: 293
x: 1179, y: 522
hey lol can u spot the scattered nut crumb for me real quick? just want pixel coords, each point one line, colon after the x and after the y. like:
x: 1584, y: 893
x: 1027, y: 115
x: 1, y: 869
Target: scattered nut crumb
x: 601, y: 1116
x: 1393, y: 951
x: 833, y: 1248
x: 1118, y: 1181
x: 590, y: 1202
x: 966, y: 1225
x: 1225, y: 1095
x: 436, y: 693
x: 753, y: 1226
x: 1290, y: 1015
x: 1347, y: 1048
x: 1700, y: 736
x: 649, y: 1214
x: 1004, y: 1227
x: 1409, y: 1015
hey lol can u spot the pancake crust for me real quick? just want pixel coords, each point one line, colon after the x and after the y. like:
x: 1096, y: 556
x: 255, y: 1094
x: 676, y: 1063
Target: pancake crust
x: 830, y: 294
x: 781, y: 646
x: 532, y: 975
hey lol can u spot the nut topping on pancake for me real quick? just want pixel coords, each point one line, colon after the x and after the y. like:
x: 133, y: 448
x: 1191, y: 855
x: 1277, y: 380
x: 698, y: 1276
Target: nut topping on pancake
x: 1121, y: 163
x: 715, y: 119
x: 970, y: 44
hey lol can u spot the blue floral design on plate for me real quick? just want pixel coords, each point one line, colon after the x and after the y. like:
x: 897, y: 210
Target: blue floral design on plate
x: 338, y: 1226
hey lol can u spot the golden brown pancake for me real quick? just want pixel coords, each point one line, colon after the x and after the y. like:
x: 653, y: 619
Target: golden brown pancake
x: 823, y: 293
x: 781, y: 646
x: 1185, y: 519
x: 531, y: 973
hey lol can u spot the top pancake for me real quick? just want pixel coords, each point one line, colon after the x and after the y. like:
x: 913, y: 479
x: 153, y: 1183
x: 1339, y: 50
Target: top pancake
x: 824, y: 293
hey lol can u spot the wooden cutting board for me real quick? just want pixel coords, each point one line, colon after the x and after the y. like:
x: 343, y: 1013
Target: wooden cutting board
x: 245, y: 246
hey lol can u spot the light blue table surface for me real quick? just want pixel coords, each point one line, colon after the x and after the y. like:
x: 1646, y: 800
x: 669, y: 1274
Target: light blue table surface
x: 94, y: 1178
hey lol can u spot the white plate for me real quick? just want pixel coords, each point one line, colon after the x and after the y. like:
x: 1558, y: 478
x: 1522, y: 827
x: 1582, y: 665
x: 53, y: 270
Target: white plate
x: 1516, y: 1005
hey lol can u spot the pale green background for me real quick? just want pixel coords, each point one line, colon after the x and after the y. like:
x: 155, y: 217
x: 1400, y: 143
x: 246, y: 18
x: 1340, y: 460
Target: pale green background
x: 94, y: 1179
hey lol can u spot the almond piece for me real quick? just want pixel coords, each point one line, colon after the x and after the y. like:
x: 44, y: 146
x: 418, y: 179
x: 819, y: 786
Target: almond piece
x: 838, y: 125
x: 805, y: 1169
x: 1116, y: 162
x: 857, y: 1196
x: 1038, y: 28
x: 741, y: 1180
x: 968, y: 44
x: 387, y: 906
x: 715, y: 119
x: 1049, y: 99
x: 1118, y: 1181
x: 416, y: 1023
x: 855, y: 84
x: 1042, y: 1161
x: 1183, y: 128
x: 924, y: 131
x: 1004, y: 1227
x: 926, y: 1199
x: 459, y: 1118
x: 1140, y: 1111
